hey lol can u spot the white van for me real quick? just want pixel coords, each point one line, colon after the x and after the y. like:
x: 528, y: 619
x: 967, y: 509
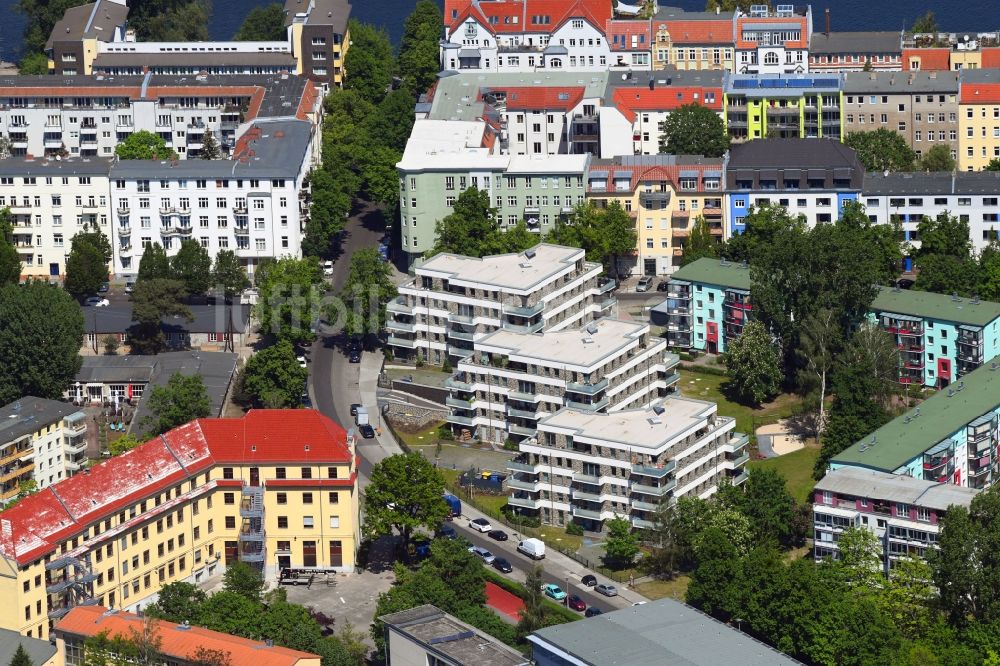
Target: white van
x: 533, y: 548
x: 327, y: 268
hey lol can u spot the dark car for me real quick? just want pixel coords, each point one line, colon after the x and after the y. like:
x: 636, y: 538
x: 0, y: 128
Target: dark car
x: 103, y: 289
x: 447, y: 531
x: 592, y: 611
x: 904, y: 283
x: 305, y: 400
x: 354, y: 408
x: 354, y: 344
x: 354, y: 357
x: 497, y: 535
x: 367, y: 431
x: 502, y: 565
x: 590, y: 580
x: 663, y: 285
x: 576, y: 603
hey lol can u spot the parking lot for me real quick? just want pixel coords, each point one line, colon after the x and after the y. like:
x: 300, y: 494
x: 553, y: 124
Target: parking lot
x: 350, y: 597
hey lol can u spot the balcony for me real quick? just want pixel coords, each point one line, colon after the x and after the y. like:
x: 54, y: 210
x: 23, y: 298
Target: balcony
x: 461, y: 335
x: 515, y: 429
x: 458, y: 403
x: 240, y: 210
x: 523, y: 414
x: 530, y: 486
x: 645, y: 506
x: 605, y: 285
x: 643, y: 524
x: 739, y: 478
x: 586, y: 513
x: 460, y: 352
x: 656, y: 471
x: 655, y: 491
x: 524, y: 328
x: 580, y: 477
x: 524, y: 396
x: 242, y: 230
x: 520, y: 466
x: 454, y: 383
x: 396, y: 341
x: 589, y: 406
x: 736, y: 463
x: 252, y: 502
x: 524, y: 310
x: 394, y: 325
x: 399, y: 305
x: 585, y: 496
x: 587, y: 389
x: 525, y: 502
x: 461, y: 420
x: 75, y: 445
x: 172, y: 210
x: 16, y: 472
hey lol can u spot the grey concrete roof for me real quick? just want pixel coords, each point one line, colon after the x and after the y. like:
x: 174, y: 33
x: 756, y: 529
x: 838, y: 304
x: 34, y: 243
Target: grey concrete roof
x: 278, y: 153
x: 117, y: 318
x: 961, y: 182
x: 206, y: 58
x: 855, y: 42
x: 89, y: 166
x: 773, y: 85
x: 791, y: 153
x: 38, y: 650
x: 900, y: 82
x: 979, y: 75
x: 678, y: 14
x: 97, y: 19
x: 450, y: 638
x: 895, y: 488
x: 457, y: 95
x: 25, y: 416
x: 334, y: 13
x: 659, y: 633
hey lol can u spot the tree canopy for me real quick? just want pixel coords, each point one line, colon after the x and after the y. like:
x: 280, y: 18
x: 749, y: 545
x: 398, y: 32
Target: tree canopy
x: 882, y: 150
x: 152, y: 301
x: 473, y: 229
x: 263, y: 24
x: 418, y: 49
x: 20, y: 657
x: 183, y: 398
x: 404, y: 492
x: 938, y: 158
x: 606, y: 234
x: 701, y: 243
x: 289, y: 299
x: 192, y: 266
x: 228, y: 273
x: 87, y: 263
x: 33, y: 64
x: 273, y: 378
x: 41, y: 330
x: 694, y: 129
x: 366, y: 292
x: 621, y: 545
x: 370, y: 61
x: 10, y: 259
x: 753, y: 365
x: 144, y: 145
x: 925, y: 23
x: 154, y: 263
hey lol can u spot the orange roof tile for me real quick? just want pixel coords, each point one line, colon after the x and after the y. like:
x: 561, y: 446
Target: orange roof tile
x: 979, y: 93
x: 543, y: 97
x: 515, y: 16
x: 178, y: 641
x: 630, y: 100
x: 627, y: 35
x: 658, y: 172
x: 991, y: 57
x: 930, y: 59
x: 701, y: 32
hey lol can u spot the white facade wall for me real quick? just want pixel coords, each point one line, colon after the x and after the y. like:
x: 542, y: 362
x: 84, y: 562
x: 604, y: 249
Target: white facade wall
x: 123, y: 46
x: 811, y: 204
x: 981, y: 211
x: 772, y: 60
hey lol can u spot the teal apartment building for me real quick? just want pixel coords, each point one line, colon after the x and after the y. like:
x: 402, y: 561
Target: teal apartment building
x: 940, y: 338
x: 708, y: 303
x: 950, y: 438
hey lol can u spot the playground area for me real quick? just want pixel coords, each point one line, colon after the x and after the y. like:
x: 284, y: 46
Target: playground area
x: 778, y: 439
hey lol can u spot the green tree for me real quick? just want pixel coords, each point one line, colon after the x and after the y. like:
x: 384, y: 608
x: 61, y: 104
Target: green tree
x: 618, y: 236
x: 994, y: 165
x: 989, y: 271
x: 33, y: 63
x: 938, y: 158
x: 192, y: 266
x: 10, y: 259
x: 882, y: 150
x: 909, y: 597
x: 368, y: 289
x: 263, y: 24
x: 20, y: 657
x: 393, y: 122
x: 666, y: 554
x: 716, y: 584
x: 228, y: 274
x: 925, y: 24
x: 86, y: 270
x: 178, y: 602
x: 289, y: 300
x: 273, y: 378
x: 418, y: 49
x: 123, y: 444
x: 369, y: 61
x: 379, y: 175
x: 764, y: 499
x: 821, y: 339
x: 404, y: 492
x: 533, y: 614
x: 290, y: 626
x: 41, y: 329
x: 154, y: 263
x: 472, y: 228
x: 210, y: 148
x: 701, y: 243
x: 182, y: 399
x: 203, y: 656
x: 752, y: 365
x: 861, y: 557
x: 111, y: 344
x: 621, y: 545
x: 154, y: 300
x: 144, y: 145
x: 694, y: 129
x: 232, y: 613
x: 945, y: 256
x: 330, y: 206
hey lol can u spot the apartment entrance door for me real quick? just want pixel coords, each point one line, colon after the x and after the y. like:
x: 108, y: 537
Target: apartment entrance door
x: 308, y: 553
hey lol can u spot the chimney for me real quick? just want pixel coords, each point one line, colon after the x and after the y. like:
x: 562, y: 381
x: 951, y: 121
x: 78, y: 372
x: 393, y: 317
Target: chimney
x: 826, y: 15
x: 652, y: 83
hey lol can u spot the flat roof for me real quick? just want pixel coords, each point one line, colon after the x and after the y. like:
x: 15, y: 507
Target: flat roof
x: 901, y: 82
x: 581, y: 348
x: 448, y: 145
x: 334, y: 13
x: 856, y: 42
x: 930, y: 305
x: 715, y: 272
x: 895, y: 488
x: 512, y: 272
x: 29, y: 414
x: 117, y: 318
x: 636, y: 428
x: 775, y: 85
x: 934, y: 420
x: 440, y: 633
x: 459, y: 96
x: 658, y: 633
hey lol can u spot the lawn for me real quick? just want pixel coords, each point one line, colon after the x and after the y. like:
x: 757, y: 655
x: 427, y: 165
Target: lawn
x: 426, y: 436
x: 704, y: 386
x: 429, y: 375
x: 796, y: 467
x: 661, y: 589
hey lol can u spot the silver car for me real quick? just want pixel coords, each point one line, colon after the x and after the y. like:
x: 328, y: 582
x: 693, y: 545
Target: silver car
x: 606, y: 590
x: 486, y: 555
x: 645, y: 283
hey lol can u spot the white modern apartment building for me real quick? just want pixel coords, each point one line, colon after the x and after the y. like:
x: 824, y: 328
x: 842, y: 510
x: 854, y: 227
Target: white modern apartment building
x: 589, y: 467
x: 254, y: 204
x: 971, y: 196
x: 454, y: 300
x: 513, y: 379
x: 904, y: 512
x: 88, y: 116
x: 773, y: 41
x: 50, y: 202
x: 40, y: 440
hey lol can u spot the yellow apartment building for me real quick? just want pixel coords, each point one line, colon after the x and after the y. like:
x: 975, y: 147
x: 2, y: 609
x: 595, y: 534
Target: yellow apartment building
x: 275, y: 489
x: 664, y: 195
x: 693, y: 41
x: 978, y: 123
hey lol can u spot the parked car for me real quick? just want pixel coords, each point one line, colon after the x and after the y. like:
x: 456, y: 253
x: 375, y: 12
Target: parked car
x: 354, y: 408
x: 904, y: 283
x: 501, y: 564
x: 367, y: 431
x: 590, y: 580
x: 554, y: 591
x: 497, y: 535
x: 302, y: 360
x: 354, y: 357
x: 446, y: 531
x: 576, y: 603
x: 327, y: 267
x: 592, y: 611
x: 484, y: 554
x: 480, y: 525
x: 129, y: 286
x: 305, y: 400
x: 663, y: 285
x: 645, y: 282
x: 103, y: 289
x: 606, y: 590
x: 354, y: 344
x: 96, y: 301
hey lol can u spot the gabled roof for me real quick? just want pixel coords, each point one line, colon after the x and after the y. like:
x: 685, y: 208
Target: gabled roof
x: 864, y: 43
x: 628, y: 35
x: 39, y: 523
x: 979, y: 93
x: 930, y: 59
x: 95, y: 20
x: 517, y: 16
x: 990, y: 56
x: 717, y: 32
x: 940, y: 307
x: 544, y: 98
x: 632, y: 99
x: 715, y: 272
x: 655, y: 168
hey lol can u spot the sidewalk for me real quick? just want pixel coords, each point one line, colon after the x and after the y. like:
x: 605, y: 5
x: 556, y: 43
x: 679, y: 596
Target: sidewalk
x: 371, y: 366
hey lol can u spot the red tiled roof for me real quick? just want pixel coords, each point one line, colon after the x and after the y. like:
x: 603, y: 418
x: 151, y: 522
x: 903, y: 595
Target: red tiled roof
x: 177, y: 641
x: 37, y: 524
x: 700, y: 32
x: 930, y: 59
x: 308, y: 101
x: 979, y: 93
x: 991, y: 57
x: 620, y: 34
x: 803, y: 24
x: 630, y: 100
x: 657, y: 173
x: 515, y: 16
x: 543, y: 97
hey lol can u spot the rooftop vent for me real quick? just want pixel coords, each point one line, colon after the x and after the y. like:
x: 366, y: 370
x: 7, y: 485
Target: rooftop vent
x: 530, y: 254
x: 592, y: 329
x: 588, y: 341
x: 659, y: 409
